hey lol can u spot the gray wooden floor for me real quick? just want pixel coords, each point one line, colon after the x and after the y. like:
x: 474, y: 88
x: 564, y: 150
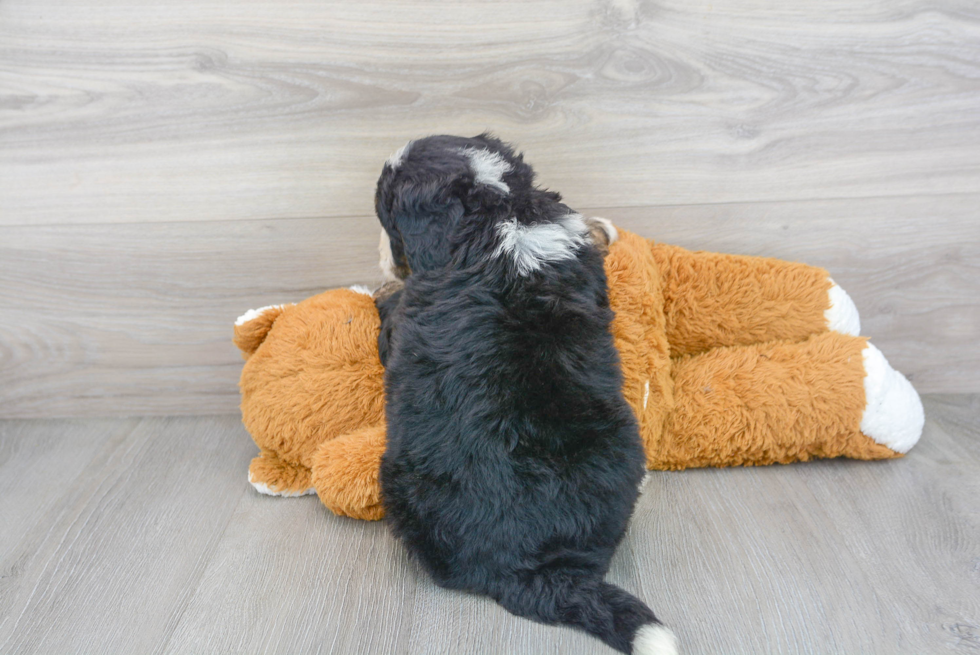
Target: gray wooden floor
x: 143, y: 536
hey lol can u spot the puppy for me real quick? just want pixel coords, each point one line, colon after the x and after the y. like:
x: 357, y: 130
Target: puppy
x: 513, y: 461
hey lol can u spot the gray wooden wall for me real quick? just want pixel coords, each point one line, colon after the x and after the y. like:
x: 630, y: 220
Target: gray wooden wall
x: 166, y: 166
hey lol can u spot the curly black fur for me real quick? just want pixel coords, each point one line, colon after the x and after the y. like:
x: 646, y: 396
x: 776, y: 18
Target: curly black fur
x: 513, y: 460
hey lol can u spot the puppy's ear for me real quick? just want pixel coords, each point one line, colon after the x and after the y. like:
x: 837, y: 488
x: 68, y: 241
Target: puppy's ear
x: 387, y: 299
x: 419, y: 210
x: 391, y: 259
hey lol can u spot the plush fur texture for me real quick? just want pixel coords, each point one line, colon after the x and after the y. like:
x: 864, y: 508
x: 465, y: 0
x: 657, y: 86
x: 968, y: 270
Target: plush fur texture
x: 768, y: 403
x: 714, y: 299
x: 794, y: 399
x: 513, y: 460
x: 739, y: 367
x: 893, y: 414
x: 312, y: 377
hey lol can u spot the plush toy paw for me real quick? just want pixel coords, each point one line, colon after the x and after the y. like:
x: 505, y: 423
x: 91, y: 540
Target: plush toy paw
x: 893, y: 415
x: 345, y: 473
x: 842, y: 316
x: 273, y: 477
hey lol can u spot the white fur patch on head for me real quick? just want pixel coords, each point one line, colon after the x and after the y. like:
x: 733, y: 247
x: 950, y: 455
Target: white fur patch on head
x: 611, y: 232
x: 893, y: 414
x: 531, y: 246
x: 842, y: 316
x: 654, y: 639
x: 266, y: 490
x: 253, y: 314
x: 397, y: 157
x: 488, y: 167
x: 387, y: 261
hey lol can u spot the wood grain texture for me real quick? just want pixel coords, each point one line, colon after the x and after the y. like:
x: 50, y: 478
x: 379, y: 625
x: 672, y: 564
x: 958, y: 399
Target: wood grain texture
x: 289, y: 577
x: 110, y: 566
x: 137, y: 319
x: 130, y: 111
x: 36, y: 466
x: 157, y: 544
x: 134, y: 319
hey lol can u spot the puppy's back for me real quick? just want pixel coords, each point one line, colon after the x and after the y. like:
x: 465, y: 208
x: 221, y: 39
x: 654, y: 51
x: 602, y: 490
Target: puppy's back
x: 513, y: 458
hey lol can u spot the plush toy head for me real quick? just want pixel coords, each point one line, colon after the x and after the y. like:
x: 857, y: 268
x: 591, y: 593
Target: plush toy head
x: 316, y: 378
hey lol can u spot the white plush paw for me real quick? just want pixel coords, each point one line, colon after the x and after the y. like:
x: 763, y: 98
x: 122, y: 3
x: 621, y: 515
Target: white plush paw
x: 253, y: 314
x: 893, y: 415
x: 265, y: 489
x: 654, y: 639
x: 842, y: 316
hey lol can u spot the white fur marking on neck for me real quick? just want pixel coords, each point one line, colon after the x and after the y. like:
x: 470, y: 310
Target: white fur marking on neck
x: 488, y: 167
x: 654, y: 639
x: 530, y: 246
x: 396, y: 158
x: 253, y: 314
x: 842, y: 316
x: 387, y: 261
x: 360, y: 288
x: 893, y: 414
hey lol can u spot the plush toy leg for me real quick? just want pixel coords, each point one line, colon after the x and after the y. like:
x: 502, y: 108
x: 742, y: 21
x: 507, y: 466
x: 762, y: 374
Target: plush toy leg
x: 832, y: 395
x: 345, y: 473
x: 274, y: 477
x: 712, y: 300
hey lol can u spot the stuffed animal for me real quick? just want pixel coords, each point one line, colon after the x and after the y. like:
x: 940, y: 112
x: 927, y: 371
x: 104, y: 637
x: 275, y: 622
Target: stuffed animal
x: 727, y: 361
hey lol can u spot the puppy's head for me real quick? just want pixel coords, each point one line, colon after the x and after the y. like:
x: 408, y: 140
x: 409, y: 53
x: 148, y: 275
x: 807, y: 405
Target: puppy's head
x: 430, y: 186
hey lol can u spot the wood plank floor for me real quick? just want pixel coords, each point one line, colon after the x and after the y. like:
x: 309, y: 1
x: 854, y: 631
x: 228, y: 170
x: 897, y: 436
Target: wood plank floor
x: 142, y: 535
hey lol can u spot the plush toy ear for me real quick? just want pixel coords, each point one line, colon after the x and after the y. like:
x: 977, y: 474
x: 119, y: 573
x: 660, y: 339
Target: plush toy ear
x: 252, y: 327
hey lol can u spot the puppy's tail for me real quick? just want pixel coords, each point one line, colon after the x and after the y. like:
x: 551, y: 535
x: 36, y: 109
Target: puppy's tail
x: 601, y: 609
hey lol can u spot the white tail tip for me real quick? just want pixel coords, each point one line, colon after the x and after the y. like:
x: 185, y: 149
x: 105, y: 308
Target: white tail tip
x: 654, y: 639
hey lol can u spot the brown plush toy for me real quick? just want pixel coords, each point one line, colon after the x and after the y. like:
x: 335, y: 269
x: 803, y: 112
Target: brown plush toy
x: 727, y: 361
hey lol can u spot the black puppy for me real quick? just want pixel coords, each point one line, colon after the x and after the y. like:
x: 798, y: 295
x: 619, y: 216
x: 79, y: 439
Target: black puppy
x: 513, y: 460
